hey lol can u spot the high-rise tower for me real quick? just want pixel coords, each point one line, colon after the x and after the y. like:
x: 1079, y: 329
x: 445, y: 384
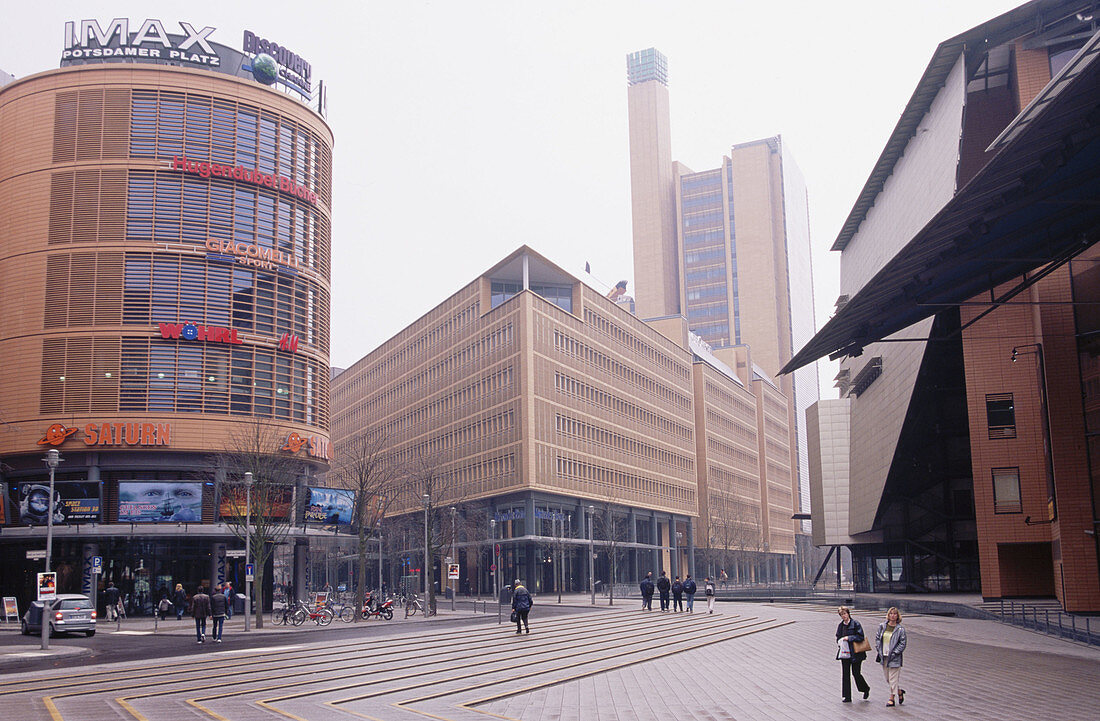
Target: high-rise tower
x: 652, y: 185
x: 740, y: 244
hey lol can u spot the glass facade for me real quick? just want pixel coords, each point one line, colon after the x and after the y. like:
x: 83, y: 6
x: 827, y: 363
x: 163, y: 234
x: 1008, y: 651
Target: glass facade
x: 706, y: 290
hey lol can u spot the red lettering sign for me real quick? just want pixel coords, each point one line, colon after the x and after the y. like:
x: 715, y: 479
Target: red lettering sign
x: 194, y: 331
x: 248, y: 175
x: 288, y: 343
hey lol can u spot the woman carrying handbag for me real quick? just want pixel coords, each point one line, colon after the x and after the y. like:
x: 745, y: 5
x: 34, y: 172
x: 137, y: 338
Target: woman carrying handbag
x: 851, y: 631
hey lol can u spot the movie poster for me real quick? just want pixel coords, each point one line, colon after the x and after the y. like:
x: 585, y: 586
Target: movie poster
x: 330, y: 506
x: 74, y: 502
x: 159, y: 501
x: 233, y: 504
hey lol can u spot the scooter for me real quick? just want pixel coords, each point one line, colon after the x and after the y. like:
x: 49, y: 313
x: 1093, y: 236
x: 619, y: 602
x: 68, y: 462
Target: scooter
x: 382, y: 610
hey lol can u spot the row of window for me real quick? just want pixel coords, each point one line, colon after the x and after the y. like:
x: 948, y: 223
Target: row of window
x: 729, y: 403
x: 164, y: 206
x: 447, y: 441
x: 559, y: 295
x: 165, y: 124
x: 636, y: 345
x: 112, y: 375
x: 490, y: 386
x: 603, y: 481
x: 579, y: 349
x: 161, y: 288
x: 568, y: 426
x: 719, y: 479
x: 428, y: 379
x: 567, y: 385
x: 419, y: 345
x: 732, y: 452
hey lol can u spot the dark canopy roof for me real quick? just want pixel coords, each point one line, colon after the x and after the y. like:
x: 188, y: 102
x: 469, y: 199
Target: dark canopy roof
x: 1036, y: 203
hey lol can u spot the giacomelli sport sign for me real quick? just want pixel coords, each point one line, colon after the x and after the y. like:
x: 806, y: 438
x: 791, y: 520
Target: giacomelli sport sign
x: 150, y: 41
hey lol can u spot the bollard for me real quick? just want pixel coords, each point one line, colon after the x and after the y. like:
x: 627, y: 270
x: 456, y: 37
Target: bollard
x: 156, y: 622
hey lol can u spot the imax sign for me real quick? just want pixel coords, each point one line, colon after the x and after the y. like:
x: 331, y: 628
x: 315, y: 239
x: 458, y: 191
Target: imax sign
x: 93, y: 42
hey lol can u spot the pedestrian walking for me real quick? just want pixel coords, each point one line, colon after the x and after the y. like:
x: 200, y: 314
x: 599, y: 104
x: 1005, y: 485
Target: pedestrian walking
x: 663, y: 587
x: 164, y: 606
x: 200, y: 611
x: 111, y: 596
x: 725, y: 577
x: 851, y: 631
x: 230, y: 596
x: 179, y: 600
x: 677, y: 595
x: 647, y: 592
x: 219, y: 610
x: 521, y: 605
x: 889, y: 645
x: 689, y: 590
x: 708, y: 591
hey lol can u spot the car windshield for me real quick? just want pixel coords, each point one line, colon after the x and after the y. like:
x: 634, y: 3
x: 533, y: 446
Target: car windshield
x: 74, y: 604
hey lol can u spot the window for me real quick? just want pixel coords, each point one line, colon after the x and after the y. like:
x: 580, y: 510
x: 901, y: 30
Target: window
x: 1006, y: 490
x: 1000, y: 414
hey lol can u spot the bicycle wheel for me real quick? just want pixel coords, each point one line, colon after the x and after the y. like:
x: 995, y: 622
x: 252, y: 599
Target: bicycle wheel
x: 278, y: 616
x: 324, y: 617
x: 298, y: 617
x: 410, y: 609
x: 347, y: 615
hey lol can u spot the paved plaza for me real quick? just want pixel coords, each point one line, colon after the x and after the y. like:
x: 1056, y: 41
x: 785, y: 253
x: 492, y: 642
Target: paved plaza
x: 746, y: 661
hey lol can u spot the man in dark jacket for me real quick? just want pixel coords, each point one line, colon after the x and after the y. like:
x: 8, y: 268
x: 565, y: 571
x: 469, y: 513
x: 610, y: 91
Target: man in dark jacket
x: 677, y: 595
x: 521, y: 604
x: 689, y: 590
x: 664, y: 586
x: 219, y: 605
x: 110, y: 601
x: 647, y: 592
x: 200, y: 610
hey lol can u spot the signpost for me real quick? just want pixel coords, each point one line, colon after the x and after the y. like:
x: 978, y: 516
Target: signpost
x: 452, y: 572
x: 47, y: 589
x: 36, y: 555
x: 249, y: 572
x: 97, y: 568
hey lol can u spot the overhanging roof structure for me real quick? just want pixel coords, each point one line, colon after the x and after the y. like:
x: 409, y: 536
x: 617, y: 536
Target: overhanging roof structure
x: 1035, y: 205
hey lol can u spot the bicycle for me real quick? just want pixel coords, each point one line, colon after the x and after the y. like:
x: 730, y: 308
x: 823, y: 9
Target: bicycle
x: 300, y: 613
x: 281, y: 616
x: 412, y: 605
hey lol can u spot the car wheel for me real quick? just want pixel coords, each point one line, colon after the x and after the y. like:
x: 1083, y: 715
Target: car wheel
x: 89, y: 634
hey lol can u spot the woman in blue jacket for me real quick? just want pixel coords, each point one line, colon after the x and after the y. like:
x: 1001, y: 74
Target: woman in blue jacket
x: 889, y: 644
x: 852, y: 631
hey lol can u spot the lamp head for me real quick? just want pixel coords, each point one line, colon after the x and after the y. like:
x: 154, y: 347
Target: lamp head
x: 248, y: 477
x: 53, y: 457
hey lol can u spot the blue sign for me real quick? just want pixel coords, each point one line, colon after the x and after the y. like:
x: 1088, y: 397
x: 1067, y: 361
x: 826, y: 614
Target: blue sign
x: 249, y: 569
x: 97, y: 563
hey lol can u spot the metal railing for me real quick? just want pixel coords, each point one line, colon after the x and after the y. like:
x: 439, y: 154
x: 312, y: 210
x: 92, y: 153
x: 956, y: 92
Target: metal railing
x: 1051, y: 622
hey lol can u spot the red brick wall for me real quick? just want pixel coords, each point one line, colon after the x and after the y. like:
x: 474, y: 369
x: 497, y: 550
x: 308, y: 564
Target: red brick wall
x: 1025, y: 569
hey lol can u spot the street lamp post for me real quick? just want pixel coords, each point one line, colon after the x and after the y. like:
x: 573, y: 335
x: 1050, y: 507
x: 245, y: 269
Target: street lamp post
x: 592, y: 553
x: 427, y: 499
x: 381, y: 505
x: 247, y: 548
x: 454, y: 586
x: 496, y: 566
x: 53, y: 457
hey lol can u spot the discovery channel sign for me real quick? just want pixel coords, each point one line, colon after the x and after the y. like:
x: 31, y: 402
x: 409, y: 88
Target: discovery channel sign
x: 88, y: 42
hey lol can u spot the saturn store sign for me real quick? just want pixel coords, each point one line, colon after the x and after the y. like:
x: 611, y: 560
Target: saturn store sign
x: 124, y: 433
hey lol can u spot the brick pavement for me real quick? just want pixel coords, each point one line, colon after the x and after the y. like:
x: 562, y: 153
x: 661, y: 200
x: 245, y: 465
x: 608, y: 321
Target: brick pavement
x: 749, y: 661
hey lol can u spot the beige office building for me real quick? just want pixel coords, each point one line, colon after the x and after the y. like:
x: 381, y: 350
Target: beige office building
x: 728, y: 248
x: 540, y: 403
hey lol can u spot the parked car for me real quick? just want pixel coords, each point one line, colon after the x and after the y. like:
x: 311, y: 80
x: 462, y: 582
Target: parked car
x: 68, y: 613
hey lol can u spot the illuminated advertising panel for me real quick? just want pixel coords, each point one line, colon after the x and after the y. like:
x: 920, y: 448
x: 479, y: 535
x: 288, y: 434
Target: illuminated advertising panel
x: 74, y: 502
x: 330, y: 506
x: 274, y: 504
x: 159, y: 501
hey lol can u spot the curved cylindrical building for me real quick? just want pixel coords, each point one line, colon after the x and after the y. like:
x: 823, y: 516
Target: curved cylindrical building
x: 164, y: 249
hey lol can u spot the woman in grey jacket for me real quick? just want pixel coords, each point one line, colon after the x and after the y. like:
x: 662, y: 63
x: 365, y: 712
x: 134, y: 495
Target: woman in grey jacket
x: 890, y: 644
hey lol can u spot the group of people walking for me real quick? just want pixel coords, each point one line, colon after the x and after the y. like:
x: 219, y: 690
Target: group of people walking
x: 852, y: 649
x: 216, y: 606
x: 672, y: 592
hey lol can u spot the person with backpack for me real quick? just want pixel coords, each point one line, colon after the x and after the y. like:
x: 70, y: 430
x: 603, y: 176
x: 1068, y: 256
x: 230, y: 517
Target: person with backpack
x: 521, y: 605
x: 677, y: 595
x: 689, y: 590
x: 219, y: 609
x: 647, y: 592
x: 708, y: 590
x: 663, y: 587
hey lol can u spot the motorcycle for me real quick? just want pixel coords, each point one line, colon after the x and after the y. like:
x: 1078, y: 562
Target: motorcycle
x: 381, y: 610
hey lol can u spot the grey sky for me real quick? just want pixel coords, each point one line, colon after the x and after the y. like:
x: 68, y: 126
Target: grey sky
x: 465, y: 129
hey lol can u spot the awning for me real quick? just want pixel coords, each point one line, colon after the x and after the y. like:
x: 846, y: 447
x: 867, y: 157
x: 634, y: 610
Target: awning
x: 1034, y: 206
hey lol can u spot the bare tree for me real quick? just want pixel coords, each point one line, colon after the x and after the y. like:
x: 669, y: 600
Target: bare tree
x: 434, y: 489
x: 734, y: 530
x: 260, y: 513
x: 363, y: 466
x: 612, y: 530
x: 474, y: 526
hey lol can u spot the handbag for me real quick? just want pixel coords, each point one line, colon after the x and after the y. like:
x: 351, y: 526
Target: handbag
x: 861, y: 646
x: 515, y: 616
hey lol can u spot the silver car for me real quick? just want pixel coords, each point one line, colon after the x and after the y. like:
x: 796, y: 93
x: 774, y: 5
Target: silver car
x: 68, y: 613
